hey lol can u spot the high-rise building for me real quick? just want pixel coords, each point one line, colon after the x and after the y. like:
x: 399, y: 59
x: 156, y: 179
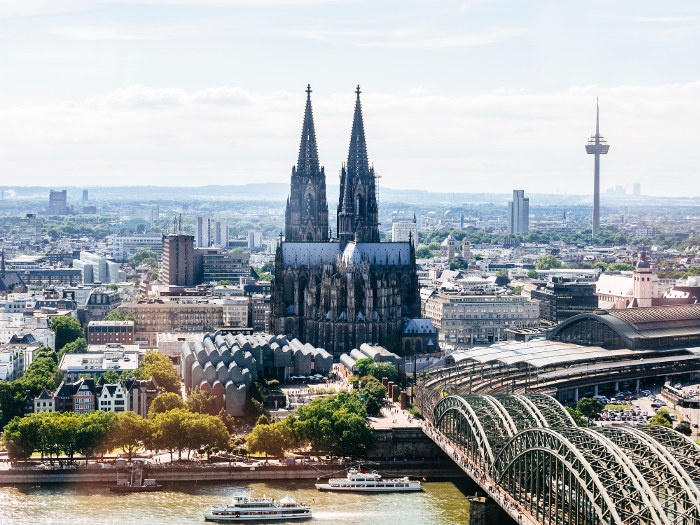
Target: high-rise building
x: 405, y: 231
x: 596, y: 146
x: 177, y: 265
x: 254, y: 240
x: 519, y: 213
x: 203, y: 231
x: 636, y: 189
x: 340, y: 293
x: 58, y: 202
x: 220, y: 234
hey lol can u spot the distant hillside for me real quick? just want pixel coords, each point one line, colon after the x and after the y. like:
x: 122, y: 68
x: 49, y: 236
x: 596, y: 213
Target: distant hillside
x: 278, y: 192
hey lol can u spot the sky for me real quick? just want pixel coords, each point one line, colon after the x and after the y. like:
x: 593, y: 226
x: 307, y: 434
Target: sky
x: 462, y: 96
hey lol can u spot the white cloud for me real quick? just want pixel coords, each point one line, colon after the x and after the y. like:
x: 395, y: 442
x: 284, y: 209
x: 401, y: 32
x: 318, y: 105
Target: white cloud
x: 124, y: 33
x: 494, y: 36
x: 492, y: 141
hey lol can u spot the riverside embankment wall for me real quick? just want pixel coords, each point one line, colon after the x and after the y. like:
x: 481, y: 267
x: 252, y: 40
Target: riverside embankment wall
x: 167, y: 474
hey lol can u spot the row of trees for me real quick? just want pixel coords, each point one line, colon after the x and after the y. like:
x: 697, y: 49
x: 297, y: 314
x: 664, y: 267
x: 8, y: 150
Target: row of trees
x: 177, y: 429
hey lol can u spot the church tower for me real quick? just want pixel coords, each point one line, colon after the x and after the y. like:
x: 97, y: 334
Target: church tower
x: 642, y: 286
x: 358, y: 215
x: 306, y: 215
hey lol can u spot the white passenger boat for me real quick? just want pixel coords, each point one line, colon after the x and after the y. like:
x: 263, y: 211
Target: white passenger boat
x: 263, y: 509
x: 358, y: 480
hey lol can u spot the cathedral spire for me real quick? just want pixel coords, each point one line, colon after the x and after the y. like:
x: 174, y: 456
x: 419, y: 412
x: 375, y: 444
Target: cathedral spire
x: 358, y: 215
x: 357, y: 155
x: 306, y: 215
x: 308, y: 153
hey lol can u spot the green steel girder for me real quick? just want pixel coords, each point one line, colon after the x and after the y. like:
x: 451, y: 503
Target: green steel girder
x: 452, y: 414
x: 685, y: 451
x: 623, y: 481
x: 569, y: 475
x: 552, y: 411
x: 524, y: 414
x: 670, y: 484
x: 533, y: 467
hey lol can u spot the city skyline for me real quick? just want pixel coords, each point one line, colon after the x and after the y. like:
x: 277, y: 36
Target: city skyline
x: 464, y: 97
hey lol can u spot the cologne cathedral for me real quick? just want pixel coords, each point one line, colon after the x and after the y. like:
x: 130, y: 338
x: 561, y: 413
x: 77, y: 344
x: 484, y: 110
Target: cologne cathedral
x: 339, y: 292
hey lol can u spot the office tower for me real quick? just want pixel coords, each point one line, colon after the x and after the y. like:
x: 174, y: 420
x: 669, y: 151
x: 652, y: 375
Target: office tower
x: 519, y: 213
x: 177, y: 266
x: 203, y: 231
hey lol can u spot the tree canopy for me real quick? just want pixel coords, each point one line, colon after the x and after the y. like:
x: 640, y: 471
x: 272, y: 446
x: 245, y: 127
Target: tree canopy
x: 549, y: 262
x: 66, y: 329
x: 589, y: 407
x: 164, y: 402
x: 159, y: 367
x: 662, y: 418
x: 118, y: 315
x: 334, y: 424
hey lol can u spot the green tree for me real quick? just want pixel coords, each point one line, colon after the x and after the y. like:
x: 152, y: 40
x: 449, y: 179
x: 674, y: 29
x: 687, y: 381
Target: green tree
x: 165, y: 402
x: 118, y: 315
x: 168, y: 431
x: 201, y: 401
x: 424, y: 252
x: 579, y: 418
x: 384, y: 369
x: 619, y: 267
x: 364, y: 366
x: 502, y: 278
x: 335, y: 424
x: 66, y: 330
x: 207, y: 432
x: 159, y: 367
x: 224, y: 282
x: 111, y: 377
x: 93, y: 432
x: 532, y: 274
x: 144, y: 257
x: 662, y: 418
x: 129, y: 432
x: 270, y: 439
x: 589, y: 407
x: 374, y: 394
x: 549, y: 262
x: 79, y: 346
x: 458, y: 264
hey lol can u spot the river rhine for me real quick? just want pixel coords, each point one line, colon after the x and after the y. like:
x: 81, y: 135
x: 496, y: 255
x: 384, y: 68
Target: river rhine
x: 183, y: 503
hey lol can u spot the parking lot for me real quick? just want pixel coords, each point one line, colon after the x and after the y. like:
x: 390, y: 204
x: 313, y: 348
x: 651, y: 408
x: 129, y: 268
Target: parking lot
x: 643, y: 405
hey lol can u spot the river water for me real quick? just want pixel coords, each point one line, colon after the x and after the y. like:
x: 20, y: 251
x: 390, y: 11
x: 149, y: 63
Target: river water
x: 184, y: 503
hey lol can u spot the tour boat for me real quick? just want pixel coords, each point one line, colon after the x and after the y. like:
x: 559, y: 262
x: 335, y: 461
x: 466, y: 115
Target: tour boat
x: 243, y: 508
x: 358, y: 480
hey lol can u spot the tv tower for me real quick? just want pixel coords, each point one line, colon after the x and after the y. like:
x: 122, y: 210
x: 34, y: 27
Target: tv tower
x: 596, y: 146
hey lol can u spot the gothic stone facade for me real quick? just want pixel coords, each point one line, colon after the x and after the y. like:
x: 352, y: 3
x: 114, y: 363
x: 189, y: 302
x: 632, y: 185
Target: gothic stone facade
x: 339, y: 293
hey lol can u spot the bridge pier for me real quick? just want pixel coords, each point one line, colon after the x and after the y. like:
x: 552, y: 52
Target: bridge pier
x: 595, y: 390
x: 485, y: 511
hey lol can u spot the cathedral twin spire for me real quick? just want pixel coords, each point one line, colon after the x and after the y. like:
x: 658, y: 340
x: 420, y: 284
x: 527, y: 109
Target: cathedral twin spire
x: 306, y: 217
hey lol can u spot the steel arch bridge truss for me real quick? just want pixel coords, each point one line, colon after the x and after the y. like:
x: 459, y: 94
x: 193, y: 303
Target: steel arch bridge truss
x: 564, y: 474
